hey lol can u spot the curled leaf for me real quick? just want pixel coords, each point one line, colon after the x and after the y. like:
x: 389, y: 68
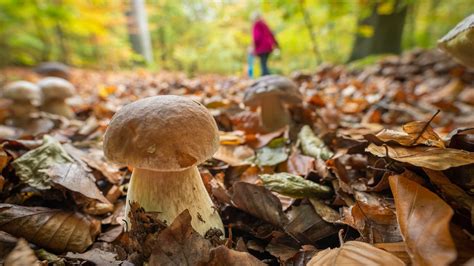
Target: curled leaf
x: 56, y: 230
x: 21, y: 255
x: 312, y: 145
x: 424, y: 222
x: 428, y: 157
x: 295, y: 186
x: 355, y: 253
x: 32, y: 167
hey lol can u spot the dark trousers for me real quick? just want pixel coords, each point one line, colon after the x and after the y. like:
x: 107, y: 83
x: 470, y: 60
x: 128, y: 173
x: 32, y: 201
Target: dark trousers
x: 263, y: 63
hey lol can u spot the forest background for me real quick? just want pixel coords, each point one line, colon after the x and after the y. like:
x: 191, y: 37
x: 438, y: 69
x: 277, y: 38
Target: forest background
x: 213, y: 36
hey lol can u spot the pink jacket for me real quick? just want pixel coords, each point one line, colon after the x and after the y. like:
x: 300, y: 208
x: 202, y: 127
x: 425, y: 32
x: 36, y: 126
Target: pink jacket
x: 263, y: 39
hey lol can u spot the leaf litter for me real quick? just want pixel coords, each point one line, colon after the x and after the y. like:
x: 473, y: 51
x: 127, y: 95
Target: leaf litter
x: 367, y: 152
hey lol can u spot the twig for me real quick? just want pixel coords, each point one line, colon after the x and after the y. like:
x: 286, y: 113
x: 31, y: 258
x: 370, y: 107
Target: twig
x: 425, y: 127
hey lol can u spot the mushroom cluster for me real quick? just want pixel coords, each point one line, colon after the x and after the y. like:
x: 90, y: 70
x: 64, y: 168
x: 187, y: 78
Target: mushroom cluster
x: 164, y: 138
x: 25, y: 97
x: 271, y: 93
x: 55, y: 91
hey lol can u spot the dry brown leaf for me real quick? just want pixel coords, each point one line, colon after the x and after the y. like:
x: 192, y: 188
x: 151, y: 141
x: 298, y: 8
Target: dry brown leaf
x: 74, y: 178
x: 452, y: 191
x: 306, y: 225
x: 96, y: 256
x: 180, y: 244
x: 224, y: 256
x: 234, y: 155
x: 422, y: 133
x: 428, y: 157
x: 424, y: 223
x: 398, y: 249
x: 259, y: 202
x: 56, y: 230
x: 299, y: 164
x: 354, y: 253
x: 95, y: 159
x: 22, y: 255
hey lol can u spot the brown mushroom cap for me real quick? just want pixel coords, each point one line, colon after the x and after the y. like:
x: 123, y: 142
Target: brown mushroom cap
x: 54, y: 69
x: 22, y: 91
x: 161, y: 133
x: 271, y: 86
x: 56, y: 88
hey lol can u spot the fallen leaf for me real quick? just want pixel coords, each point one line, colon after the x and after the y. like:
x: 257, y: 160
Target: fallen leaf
x: 22, y: 255
x: 428, y: 157
x: 299, y: 164
x: 74, y: 178
x: 268, y: 156
x: 354, y: 253
x: 180, y: 244
x: 424, y: 223
x: 52, y: 229
x: 234, y: 155
x: 422, y: 133
x: 306, y: 226
x: 451, y: 191
x: 327, y: 213
x: 95, y: 159
x: 312, y: 145
x: 398, y: 249
x: 259, y: 202
x: 96, y: 256
x: 32, y: 166
x: 295, y: 186
x: 222, y: 255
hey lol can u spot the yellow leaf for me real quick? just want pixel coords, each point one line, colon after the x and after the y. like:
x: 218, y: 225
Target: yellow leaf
x: 386, y: 8
x: 366, y: 31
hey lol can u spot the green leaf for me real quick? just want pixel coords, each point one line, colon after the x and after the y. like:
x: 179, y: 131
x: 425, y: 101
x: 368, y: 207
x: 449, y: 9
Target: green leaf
x: 267, y: 156
x: 32, y: 167
x: 295, y: 186
x: 312, y: 145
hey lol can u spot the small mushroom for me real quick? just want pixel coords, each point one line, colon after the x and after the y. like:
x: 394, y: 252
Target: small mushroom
x: 55, y: 92
x: 271, y: 93
x: 164, y: 138
x: 25, y: 96
x: 53, y: 69
x: 459, y: 42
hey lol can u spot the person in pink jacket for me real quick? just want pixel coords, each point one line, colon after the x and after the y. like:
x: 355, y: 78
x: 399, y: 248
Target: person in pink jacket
x: 263, y: 40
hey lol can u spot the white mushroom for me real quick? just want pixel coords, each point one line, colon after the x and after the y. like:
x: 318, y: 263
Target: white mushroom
x: 55, y: 92
x: 271, y: 93
x: 25, y: 97
x: 164, y: 138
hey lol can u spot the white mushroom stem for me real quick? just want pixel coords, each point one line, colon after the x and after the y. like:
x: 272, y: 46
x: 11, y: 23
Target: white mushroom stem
x: 22, y: 109
x: 170, y: 193
x: 273, y: 114
x: 58, y: 107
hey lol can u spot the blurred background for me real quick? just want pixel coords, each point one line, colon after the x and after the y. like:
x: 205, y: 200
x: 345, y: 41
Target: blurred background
x: 213, y: 36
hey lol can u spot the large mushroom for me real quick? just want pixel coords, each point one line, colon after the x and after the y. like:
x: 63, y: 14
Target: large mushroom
x: 164, y: 138
x: 25, y: 96
x: 459, y: 42
x: 55, y: 92
x: 271, y: 94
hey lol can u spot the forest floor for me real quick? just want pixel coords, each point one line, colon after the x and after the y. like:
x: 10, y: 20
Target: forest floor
x: 393, y: 142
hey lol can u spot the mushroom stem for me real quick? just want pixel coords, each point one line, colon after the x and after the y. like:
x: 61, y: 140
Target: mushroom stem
x: 273, y: 114
x: 57, y: 106
x: 170, y: 193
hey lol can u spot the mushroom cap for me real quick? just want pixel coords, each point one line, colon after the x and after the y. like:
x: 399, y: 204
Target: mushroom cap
x: 56, y: 88
x: 55, y: 69
x: 272, y: 86
x: 22, y: 91
x: 161, y: 133
x: 459, y: 41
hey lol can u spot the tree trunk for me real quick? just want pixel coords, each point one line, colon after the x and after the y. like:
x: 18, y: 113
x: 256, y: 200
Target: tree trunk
x: 387, y: 33
x: 138, y: 30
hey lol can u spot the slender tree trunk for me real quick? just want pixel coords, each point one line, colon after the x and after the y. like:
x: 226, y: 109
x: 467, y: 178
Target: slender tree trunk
x: 387, y: 33
x: 311, y: 31
x: 138, y: 30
